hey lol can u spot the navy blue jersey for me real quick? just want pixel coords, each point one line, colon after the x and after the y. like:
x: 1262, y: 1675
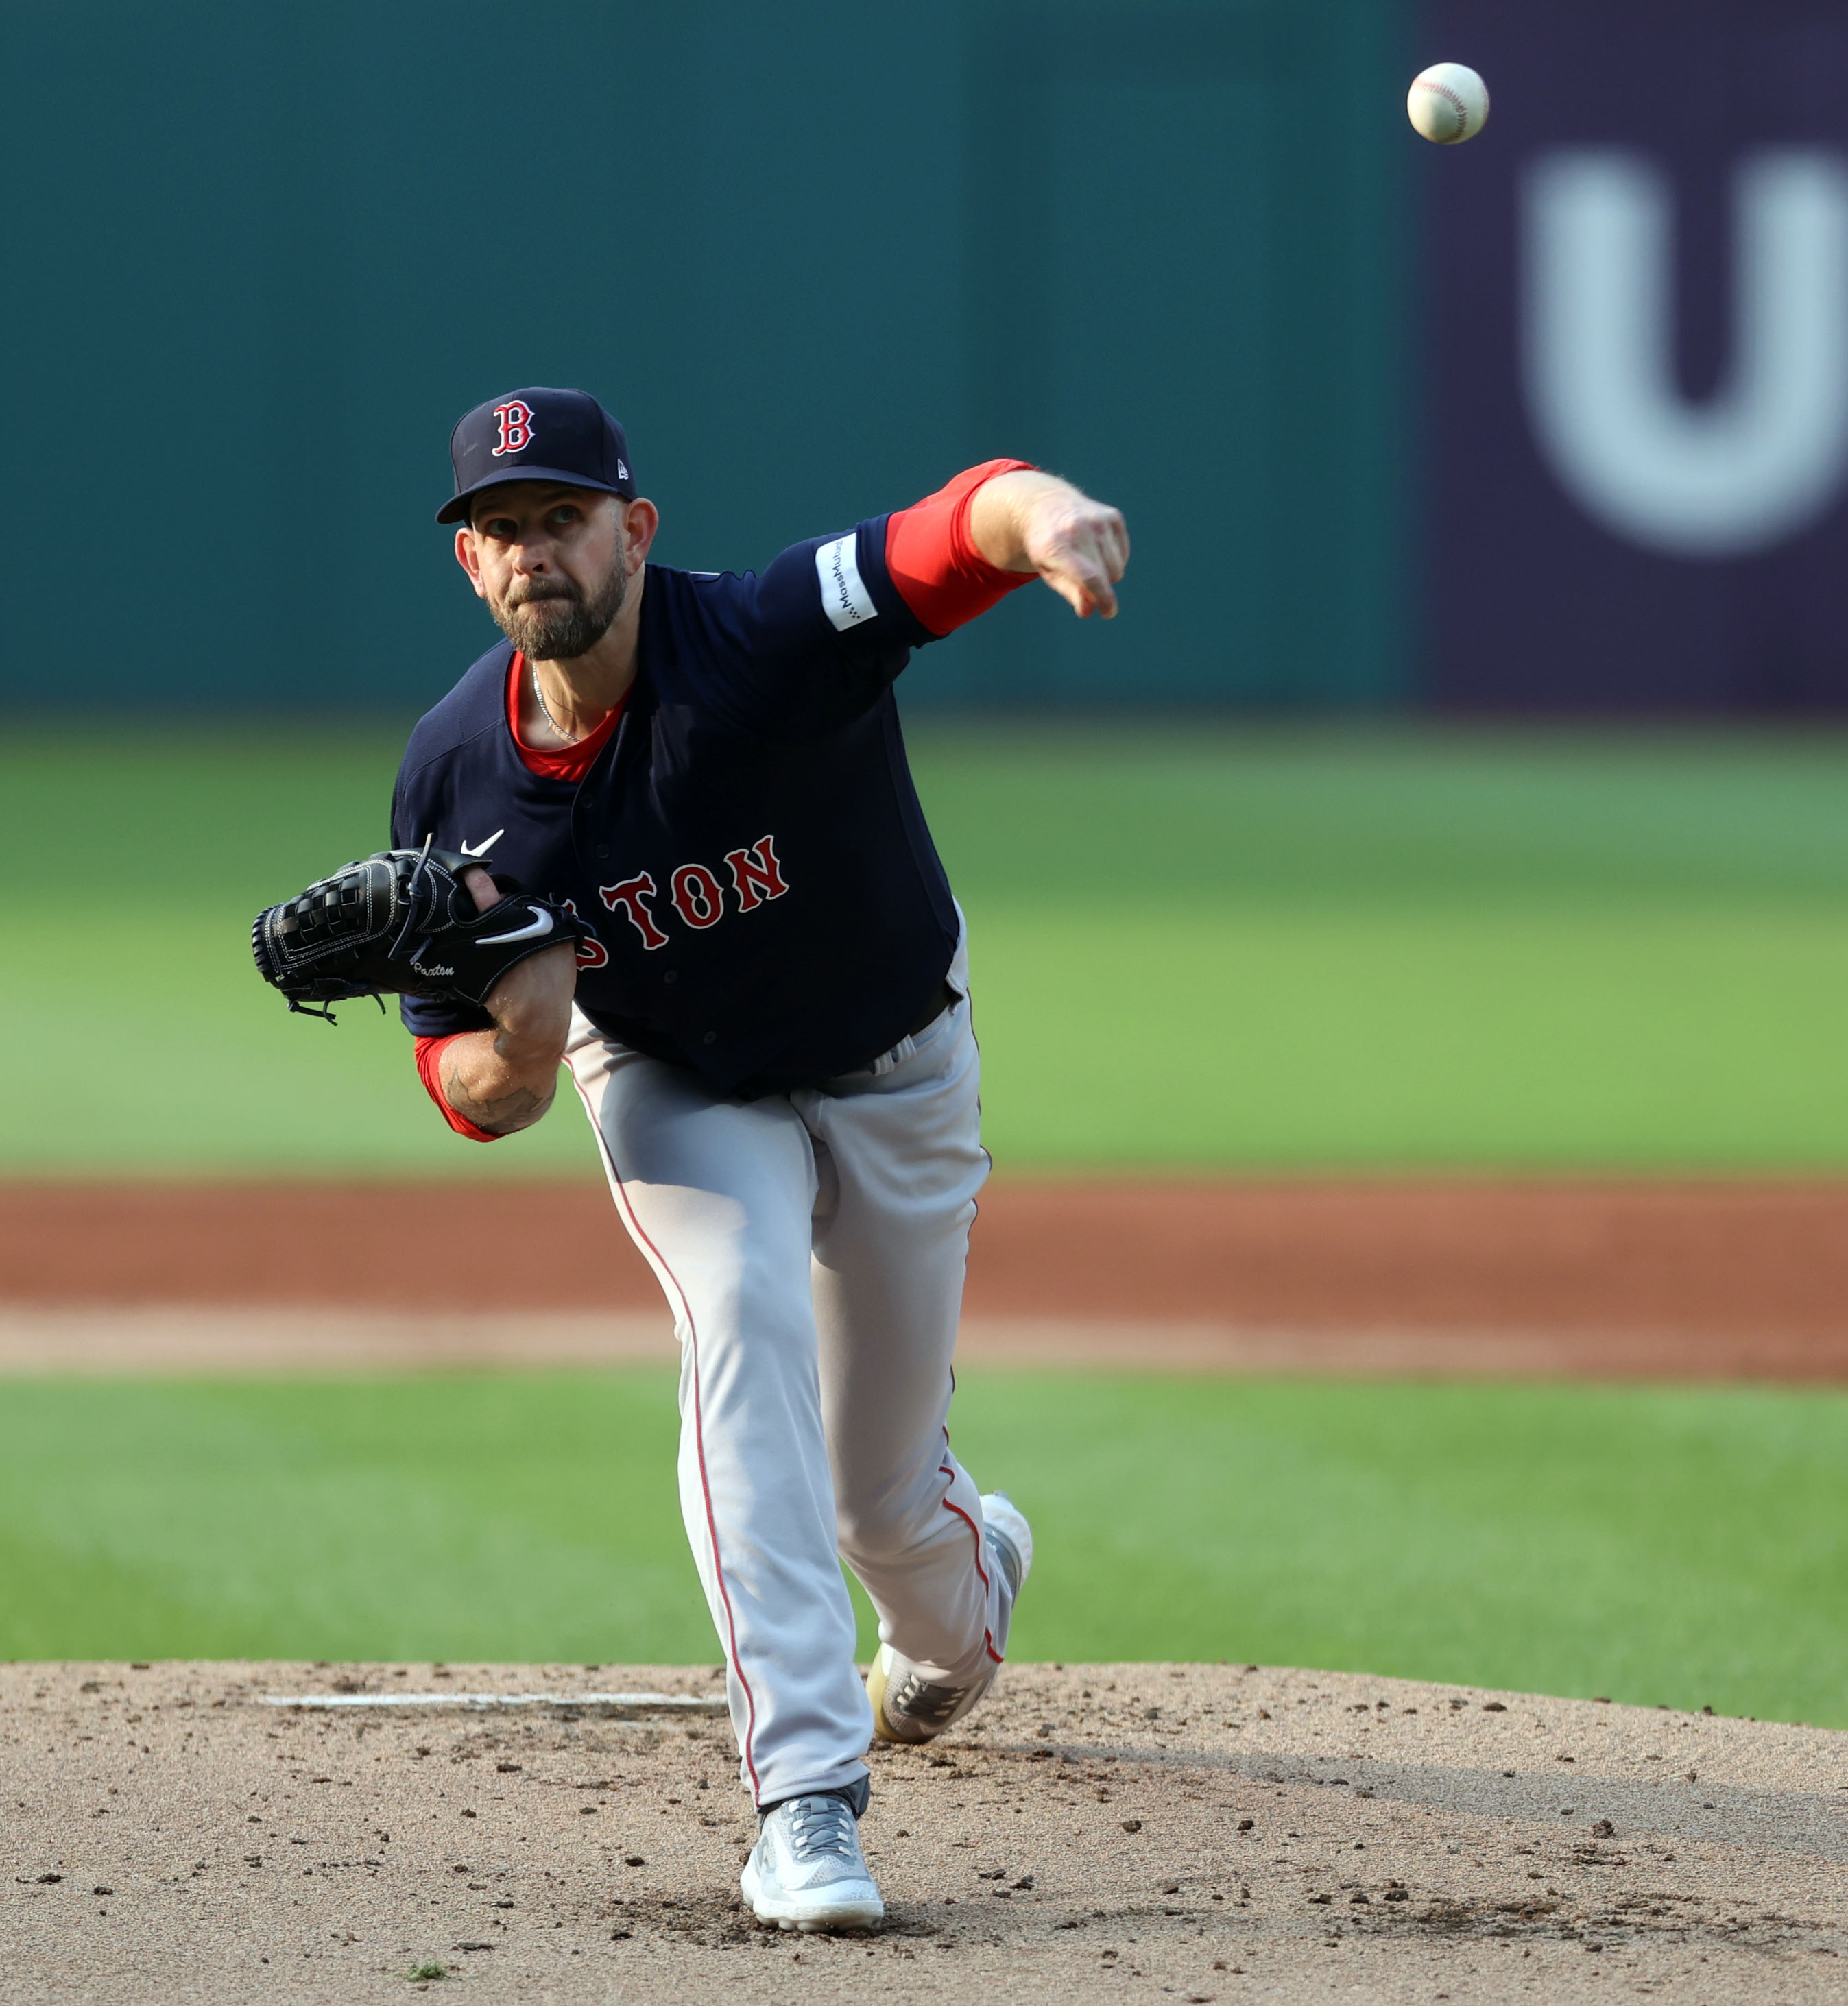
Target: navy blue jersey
x: 767, y: 905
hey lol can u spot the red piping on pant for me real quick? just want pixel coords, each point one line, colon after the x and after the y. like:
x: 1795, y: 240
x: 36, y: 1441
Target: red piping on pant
x: 988, y: 1635
x: 975, y: 1206
x: 705, y: 1489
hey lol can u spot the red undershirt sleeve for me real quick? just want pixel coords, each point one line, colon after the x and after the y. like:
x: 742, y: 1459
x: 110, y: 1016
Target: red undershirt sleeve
x: 430, y: 1055
x: 933, y: 559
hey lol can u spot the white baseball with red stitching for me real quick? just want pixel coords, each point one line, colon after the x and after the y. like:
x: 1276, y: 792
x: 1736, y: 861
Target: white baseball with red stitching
x: 1449, y: 103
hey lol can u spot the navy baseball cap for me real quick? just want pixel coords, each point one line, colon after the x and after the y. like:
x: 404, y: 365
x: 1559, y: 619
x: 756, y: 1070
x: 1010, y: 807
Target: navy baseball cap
x: 537, y: 434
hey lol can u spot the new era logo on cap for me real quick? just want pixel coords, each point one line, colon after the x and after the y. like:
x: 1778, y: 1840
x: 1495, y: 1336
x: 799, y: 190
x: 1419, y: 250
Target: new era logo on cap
x: 537, y: 434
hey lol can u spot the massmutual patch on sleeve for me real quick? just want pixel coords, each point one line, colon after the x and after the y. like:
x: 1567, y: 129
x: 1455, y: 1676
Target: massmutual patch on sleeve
x: 844, y: 591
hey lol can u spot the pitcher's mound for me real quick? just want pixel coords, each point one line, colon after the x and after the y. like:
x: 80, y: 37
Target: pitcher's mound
x: 1197, y: 1832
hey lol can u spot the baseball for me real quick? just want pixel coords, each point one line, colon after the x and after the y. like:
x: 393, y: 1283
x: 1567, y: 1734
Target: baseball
x: 1449, y: 103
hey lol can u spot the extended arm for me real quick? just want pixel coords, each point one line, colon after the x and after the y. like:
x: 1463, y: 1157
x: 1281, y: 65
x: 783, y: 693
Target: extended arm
x: 994, y: 528
x: 503, y: 1080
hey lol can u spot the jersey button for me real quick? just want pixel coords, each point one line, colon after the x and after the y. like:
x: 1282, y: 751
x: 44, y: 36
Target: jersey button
x: 603, y: 849
x: 670, y: 975
x: 711, y: 1038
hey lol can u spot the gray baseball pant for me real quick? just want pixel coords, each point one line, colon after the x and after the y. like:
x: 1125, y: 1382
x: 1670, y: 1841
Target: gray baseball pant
x: 811, y: 1247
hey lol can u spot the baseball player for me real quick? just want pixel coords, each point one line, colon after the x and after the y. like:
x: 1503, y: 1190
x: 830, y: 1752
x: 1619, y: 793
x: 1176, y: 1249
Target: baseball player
x: 766, y: 1019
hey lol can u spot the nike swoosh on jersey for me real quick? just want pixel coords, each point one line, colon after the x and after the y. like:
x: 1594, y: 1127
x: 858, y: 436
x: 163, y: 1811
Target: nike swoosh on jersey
x: 482, y: 848
x: 542, y: 924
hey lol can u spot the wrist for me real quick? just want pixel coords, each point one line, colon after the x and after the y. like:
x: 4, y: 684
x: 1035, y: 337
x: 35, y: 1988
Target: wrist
x: 1001, y: 514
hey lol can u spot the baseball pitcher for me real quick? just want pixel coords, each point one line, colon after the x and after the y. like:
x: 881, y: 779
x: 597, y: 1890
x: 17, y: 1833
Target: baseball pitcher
x: 664, y: 837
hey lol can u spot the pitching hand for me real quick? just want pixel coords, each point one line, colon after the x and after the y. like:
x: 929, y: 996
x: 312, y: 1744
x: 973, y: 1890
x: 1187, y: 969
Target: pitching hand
x: 1079, y: 546
x: 1029, y: 521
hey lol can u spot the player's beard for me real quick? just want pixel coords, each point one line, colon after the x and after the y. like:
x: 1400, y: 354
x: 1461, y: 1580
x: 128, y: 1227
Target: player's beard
x: 552, y: 621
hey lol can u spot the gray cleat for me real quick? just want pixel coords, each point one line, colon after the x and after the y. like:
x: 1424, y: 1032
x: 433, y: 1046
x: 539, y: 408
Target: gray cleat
x: 908, y: 1707
x: 806, y: 1872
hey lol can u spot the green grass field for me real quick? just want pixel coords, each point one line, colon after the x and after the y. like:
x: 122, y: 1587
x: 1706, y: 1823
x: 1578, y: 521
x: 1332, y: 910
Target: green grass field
x: 1194, y: 949
x: 1682, y: 1546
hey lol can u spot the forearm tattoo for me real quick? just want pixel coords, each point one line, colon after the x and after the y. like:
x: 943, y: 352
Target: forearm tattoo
x: 505, y: 1114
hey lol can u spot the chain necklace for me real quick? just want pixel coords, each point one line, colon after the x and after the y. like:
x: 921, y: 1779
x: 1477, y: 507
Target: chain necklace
x: 544, y: 711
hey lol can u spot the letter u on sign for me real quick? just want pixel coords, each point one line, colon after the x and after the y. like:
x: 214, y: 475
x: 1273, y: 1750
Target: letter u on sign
x: 1762, y: 460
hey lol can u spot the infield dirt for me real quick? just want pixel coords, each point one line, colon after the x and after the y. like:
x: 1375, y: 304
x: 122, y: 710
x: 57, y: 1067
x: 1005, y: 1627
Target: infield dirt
x: 1687, y: 1280
x: 1094, y: 1831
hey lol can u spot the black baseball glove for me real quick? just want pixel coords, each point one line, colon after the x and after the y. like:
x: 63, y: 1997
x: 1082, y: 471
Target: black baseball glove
x: 401, y: 921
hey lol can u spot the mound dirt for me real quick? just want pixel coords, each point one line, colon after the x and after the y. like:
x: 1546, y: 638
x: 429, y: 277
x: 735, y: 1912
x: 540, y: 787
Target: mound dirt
x: 1205, y: 1833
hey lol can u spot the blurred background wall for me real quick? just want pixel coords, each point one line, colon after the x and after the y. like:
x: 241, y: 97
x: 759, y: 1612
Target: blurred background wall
x: 259, y: 258
x: 1557, y: 420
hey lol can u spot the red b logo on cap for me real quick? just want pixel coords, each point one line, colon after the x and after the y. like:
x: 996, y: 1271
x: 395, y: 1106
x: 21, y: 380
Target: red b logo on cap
x: 515, y: 421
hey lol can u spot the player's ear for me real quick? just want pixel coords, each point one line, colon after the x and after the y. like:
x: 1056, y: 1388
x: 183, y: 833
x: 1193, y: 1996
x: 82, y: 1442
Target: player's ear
x: 640, y: 520
x: 469, y: 557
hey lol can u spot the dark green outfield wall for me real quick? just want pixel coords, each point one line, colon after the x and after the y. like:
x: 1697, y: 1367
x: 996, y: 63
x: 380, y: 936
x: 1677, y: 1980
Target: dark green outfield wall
x: 257, y: 256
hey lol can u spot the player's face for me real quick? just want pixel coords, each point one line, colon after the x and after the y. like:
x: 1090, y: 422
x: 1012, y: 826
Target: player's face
x: 553, y: 563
